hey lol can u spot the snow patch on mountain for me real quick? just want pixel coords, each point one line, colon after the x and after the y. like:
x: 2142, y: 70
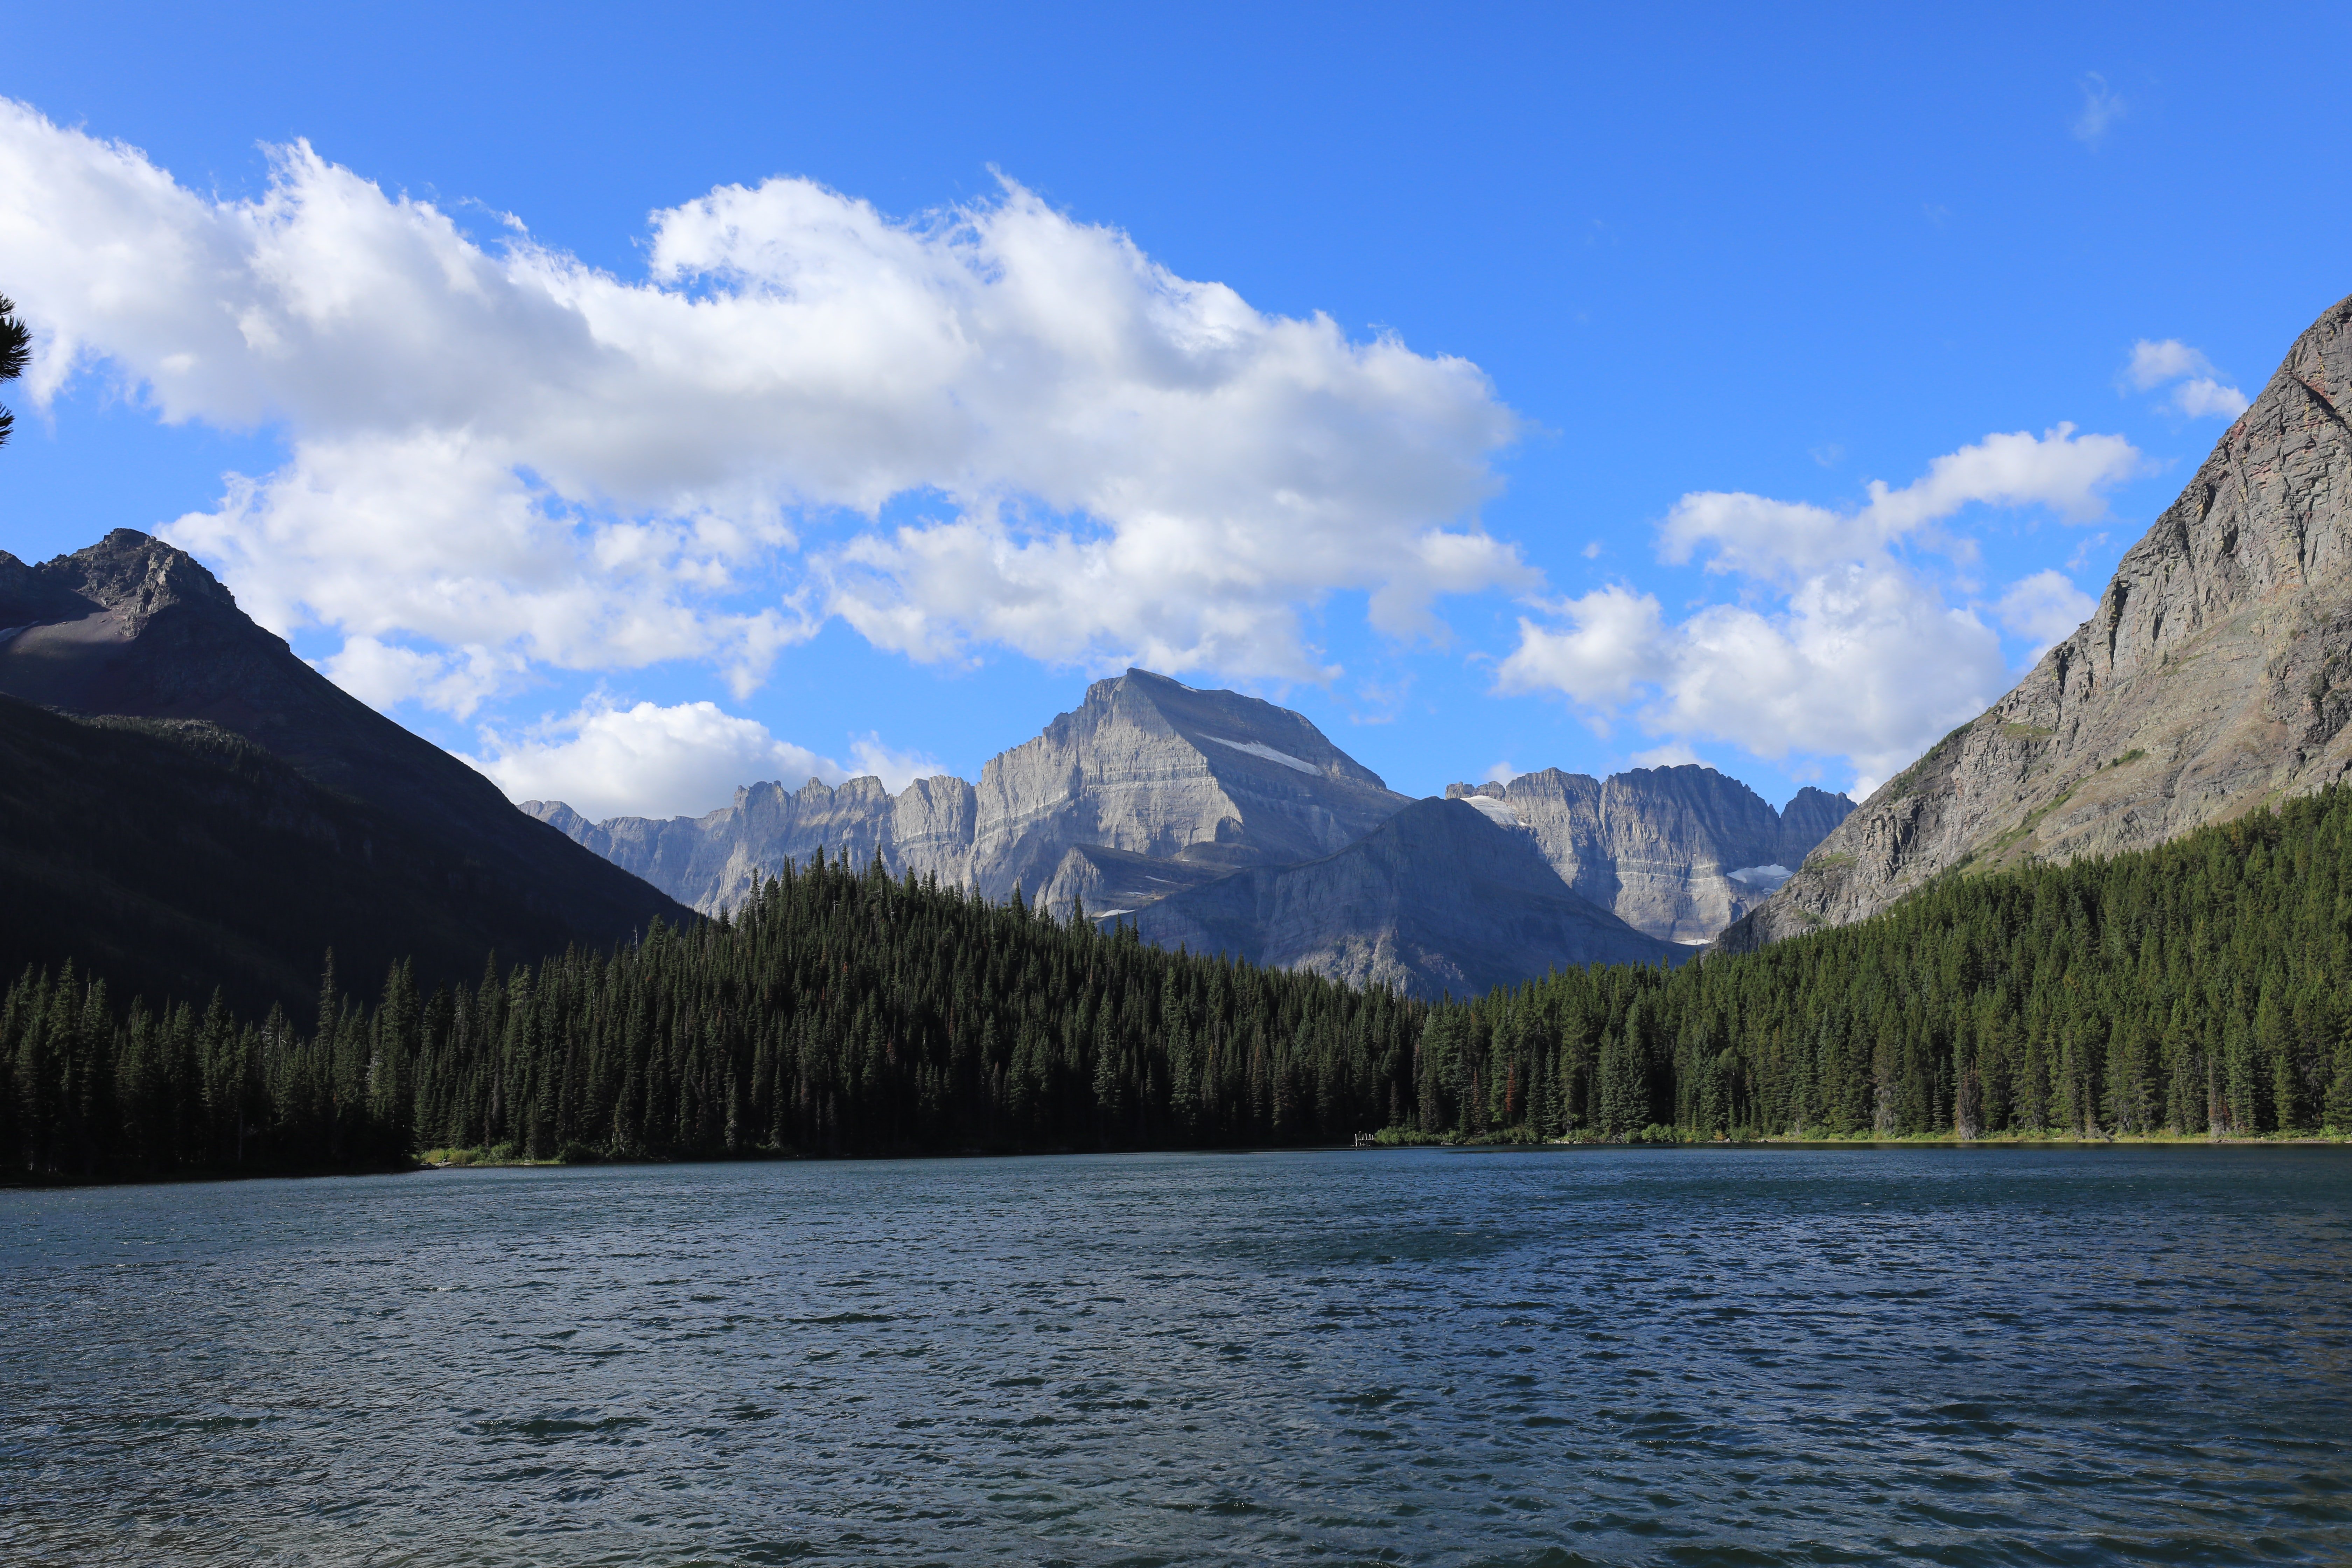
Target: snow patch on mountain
x: 1260, y: 749
x: 1495, y: 811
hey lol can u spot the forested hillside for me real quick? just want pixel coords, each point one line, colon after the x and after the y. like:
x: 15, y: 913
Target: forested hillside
x: 839, y: 1013
x: 2197, y: 988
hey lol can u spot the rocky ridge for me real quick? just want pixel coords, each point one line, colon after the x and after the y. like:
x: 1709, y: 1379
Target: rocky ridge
x: 1676, y: 852
x: 1438, y: 898
x: 1148, y: 784
x: 2214, y: 677
x: 133, y: 628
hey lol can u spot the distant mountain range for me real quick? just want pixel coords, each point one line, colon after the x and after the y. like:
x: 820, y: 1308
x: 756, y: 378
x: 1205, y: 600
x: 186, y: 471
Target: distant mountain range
x: 1225, y: 823
x: 198, y: 805
x: 190, y: 804
x: 2215, y: 677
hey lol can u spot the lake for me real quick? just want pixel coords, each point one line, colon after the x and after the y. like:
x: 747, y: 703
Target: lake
x: 1544, y: 1357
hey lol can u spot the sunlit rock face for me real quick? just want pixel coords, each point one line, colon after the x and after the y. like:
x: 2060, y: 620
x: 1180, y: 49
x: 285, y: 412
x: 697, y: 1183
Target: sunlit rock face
x: 2215, y: 676
x: 1153, y: 767
x: 1676, y: 852
x: 1146, y: 768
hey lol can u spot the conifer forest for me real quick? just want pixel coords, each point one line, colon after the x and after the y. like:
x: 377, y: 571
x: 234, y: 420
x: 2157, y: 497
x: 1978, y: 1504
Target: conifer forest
x: 2197, y: 989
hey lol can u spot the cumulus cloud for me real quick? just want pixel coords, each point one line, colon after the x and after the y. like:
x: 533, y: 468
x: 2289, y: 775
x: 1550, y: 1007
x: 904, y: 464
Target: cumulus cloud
x: 1849, y: 650
x: 2044, y: 608
x: 2200, y: 393
x: 1772, y: 539
x: 1864, y: 661
x: 2204, y: 397
x: 2102, y: 107
x: 894, y: 768
x: 2154, y: 363
x: 503, y: 457
x: 647, y: 761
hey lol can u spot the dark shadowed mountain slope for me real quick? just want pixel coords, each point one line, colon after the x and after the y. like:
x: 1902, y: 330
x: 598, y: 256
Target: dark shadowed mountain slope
x: 1438, y: 898
x: 2214, y: 677
x: 172, y: 856
x: 136, y: 628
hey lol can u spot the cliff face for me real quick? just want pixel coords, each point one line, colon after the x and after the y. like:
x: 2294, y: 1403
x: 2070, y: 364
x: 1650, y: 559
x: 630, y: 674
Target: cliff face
x: 1145, y: 769
x: 1440, y: 897
x: 2215, y: 676
x: 1676, y: 852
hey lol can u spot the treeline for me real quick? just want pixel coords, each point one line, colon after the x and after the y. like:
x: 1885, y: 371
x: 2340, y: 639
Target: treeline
x: 2199, y: 988
x: 837, y: 1013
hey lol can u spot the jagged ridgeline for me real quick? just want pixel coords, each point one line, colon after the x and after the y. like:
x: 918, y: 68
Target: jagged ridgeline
x: 839, y: 1012
x: 2197, y: 988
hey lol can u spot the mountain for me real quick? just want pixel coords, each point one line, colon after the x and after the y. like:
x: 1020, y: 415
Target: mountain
x: 172, y: 856
x: 1678, y: 853
x: 2215, y: 677
x: 1146, y: 768
x: 1439, y: 897
x: 131, y: 626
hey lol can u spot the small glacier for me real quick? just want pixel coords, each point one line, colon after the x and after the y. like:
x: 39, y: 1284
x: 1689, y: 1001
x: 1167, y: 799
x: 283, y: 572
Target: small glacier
x: 1495, y: 811
x: 1768, y: 878
x: 1260, y: 749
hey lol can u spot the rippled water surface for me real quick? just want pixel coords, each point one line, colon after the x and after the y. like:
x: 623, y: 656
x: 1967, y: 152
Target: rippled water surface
x: 1438, y: 1356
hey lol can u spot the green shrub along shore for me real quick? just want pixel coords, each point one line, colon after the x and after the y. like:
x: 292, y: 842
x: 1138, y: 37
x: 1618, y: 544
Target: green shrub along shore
x: 2194, y: 991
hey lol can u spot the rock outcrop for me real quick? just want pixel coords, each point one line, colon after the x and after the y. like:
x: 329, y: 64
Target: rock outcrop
x: 1146, y: 768
x: 2214, y: 677
x: 1441, y: 897
x: 132, y: 626
x: 1676, y: 852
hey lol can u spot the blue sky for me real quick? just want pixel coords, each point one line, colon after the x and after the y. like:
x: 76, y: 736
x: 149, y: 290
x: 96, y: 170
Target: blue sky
x: 1533, y: 421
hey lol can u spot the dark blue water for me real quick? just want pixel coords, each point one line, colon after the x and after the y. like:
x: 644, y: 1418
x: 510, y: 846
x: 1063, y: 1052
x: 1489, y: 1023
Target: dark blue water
x: 1627, y: 1356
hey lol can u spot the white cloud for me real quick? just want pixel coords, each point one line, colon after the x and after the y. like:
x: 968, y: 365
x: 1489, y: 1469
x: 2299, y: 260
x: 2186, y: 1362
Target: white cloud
x: 894, y: 768
x: 1614, y: 642
x: 2202, y: 392
x: 2044, y: 608
x: 2205, y: 397
x: 1672, y: 754
x: 1502, y: 773
x: 2102, y: 107
x: 1848, y: 650
x: 647, y: 761
x: 1785, y: 539
x: 504, y: 458
x: 1864, y: 661
x: 2154, y: 363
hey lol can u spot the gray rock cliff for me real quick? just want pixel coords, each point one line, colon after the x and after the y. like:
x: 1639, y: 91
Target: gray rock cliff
x: 1146, y: 768
x: 1676, y: 852
x: 2214, y: 677
x: 1438, y: 898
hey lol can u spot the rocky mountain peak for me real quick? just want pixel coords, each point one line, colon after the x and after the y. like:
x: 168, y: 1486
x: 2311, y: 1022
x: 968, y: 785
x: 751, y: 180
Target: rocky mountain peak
x: 2216, y: 673
x: 133, y: 628
x: 1241, y: 731
x: 130, y: 575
